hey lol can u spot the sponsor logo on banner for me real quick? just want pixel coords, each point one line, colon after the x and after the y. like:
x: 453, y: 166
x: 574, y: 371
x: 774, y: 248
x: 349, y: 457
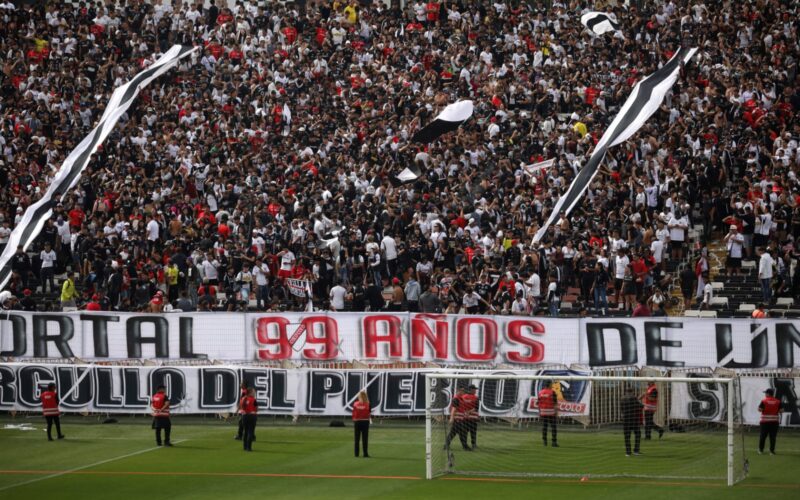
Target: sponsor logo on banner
x: 572, y: 395
x: 403, y: 337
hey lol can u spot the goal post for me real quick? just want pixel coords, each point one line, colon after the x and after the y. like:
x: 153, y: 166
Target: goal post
x: 492, y: 424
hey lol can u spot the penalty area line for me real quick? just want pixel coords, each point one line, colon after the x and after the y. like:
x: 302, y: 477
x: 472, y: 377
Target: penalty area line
x: 81, y: 471
x: 76, y: 470
x: 620, y: 482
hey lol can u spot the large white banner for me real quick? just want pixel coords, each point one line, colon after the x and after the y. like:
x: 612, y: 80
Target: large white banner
x: 403, y: 337
x: 311, y: 392
x: 709, y: 401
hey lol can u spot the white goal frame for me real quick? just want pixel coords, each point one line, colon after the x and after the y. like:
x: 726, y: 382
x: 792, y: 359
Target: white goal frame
x: 729, y: 382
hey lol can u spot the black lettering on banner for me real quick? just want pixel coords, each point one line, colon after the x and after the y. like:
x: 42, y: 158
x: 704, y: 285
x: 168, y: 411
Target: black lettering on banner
x: 30, y: 381
x: 705, y: 400
x: 758, y: 346
x: 356, y: 382
x: 398, y: 391
x: 133, y: 332
x: 419, y: 392
x: 787, y: 338
x: 173, y: 379
x: 440, y: 389
x: 65, y: 333
x: 218, y: 388
x: 105, y: 396
x: 597, y: 346
x: 132, y: 389
x: 19, y: 343
x: 186, y: 346
x: 8, y: 386
x: 79, y: 396
x: 279, y: 391
x: 785, y: 391
x: 654, y: 344
x: 321, y: 385
x: 258, y: 379
x: 499, y: 396
x: 100, y: 332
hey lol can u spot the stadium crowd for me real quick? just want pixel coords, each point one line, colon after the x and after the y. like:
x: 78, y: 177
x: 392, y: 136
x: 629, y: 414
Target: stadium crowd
x: 270, y: 154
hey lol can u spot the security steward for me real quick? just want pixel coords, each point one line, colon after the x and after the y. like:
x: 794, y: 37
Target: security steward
x: 631, y: 409
x: 470, y: 402
x: 51, y: 412
x: 548, y: 412
x: 457, y: 421
x: 249, y: 418
x: 361, y: 418
x: 242, y: 394
x: 650, y: 400
x: 770, y: 408
x: 159, y: 404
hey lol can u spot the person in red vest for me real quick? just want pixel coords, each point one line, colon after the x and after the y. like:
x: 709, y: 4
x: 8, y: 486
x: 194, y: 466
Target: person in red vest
x: 548, y: 412
x: 361, y: 422
x: 51, y: 412
x: 470, y: 403
x: 249, y: 417
x: 650, y: 401
x: 457, y: 421
x: 159, y: 404
x: 242, y: 394
x: 770, y: 409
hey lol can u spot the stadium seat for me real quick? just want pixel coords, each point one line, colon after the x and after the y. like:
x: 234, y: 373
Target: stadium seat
x: 719, y: 302
x: 717, y: 286
x: 691, y: 313
x: 748, y: 308
x: 708, y: 314
x: 785, y: 301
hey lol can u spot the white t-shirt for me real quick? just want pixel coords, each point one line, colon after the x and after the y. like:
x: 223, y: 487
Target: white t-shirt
x: 152, y: 230
x: 337, y: 297
x: 677, y: 233
x: 765, y: 266
x: 287, y: 260
x: 48, y: 258
x: 389, y: 247
x: 471, y: 299
x: 735, y: 245
x: 657, y: 249
x: 261, y: 274
x: 620, y: 263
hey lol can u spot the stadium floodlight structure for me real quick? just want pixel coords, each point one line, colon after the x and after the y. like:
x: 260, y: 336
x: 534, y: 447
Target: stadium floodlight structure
x: 701, y: 418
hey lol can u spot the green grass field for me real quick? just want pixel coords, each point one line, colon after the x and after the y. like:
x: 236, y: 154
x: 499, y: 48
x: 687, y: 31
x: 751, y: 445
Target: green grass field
x: 121, y: 461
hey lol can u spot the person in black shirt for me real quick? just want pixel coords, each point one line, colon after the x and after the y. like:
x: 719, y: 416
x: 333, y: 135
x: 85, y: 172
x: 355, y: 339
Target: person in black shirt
x: 21, y: 265
x: 631, y: 409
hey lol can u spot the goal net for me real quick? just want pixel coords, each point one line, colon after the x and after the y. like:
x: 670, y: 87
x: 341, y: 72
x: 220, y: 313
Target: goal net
x: 573, y: 424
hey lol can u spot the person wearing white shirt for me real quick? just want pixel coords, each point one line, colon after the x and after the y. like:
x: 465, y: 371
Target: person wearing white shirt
x: 657, y: 251
x: 210, y: 270
x: 47, y: 271
x: 337, y: 296
x: 765, y: 265
x: 389, y: 249
x: 678, y: 224
x: 621, y: 261
x: 261, y: 277
x: 734, y: 242
x: 153, y: 231
x: 519, y: 307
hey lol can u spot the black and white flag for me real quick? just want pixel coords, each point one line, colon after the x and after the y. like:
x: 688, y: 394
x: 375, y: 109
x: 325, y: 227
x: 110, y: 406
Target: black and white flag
x: 448, y: 120
x: 534, y: 168
x: 409, y: 174
x: 600, y: 22
x: 643, y: 102
x: 70, y: 172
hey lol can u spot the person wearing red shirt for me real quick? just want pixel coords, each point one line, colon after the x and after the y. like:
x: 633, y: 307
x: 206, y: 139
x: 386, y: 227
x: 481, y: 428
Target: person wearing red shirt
x: 94, y: 305
x: 641, y: 309
x: 361, y: 422
x: 242, y: 394
x: 770, y: 409
x: 548, y: 411
x: 249, y: 408
x: 159, y: 404
x: 650, y: 401
x: 470, y: 402
x: 457, y: 421
x: 432, y: 10
x: 52, y: 414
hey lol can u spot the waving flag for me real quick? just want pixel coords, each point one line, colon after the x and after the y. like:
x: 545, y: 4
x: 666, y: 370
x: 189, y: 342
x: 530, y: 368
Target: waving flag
x: 448, y: 120
x: 644, y: 100
x: 534, y: 168
x: 70, y: 172
x: 600, y: 22
x: 409, y: 174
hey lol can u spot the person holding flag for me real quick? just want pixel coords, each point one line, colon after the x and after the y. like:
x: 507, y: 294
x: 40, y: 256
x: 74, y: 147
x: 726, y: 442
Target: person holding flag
x: 52, y: 414
x: 548, y: 412
x: 159, y: 404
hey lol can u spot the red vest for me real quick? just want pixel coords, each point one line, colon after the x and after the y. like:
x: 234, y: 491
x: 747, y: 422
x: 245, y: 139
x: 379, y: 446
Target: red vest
x: 459, y: 413
x: 651, y: 399
x: 469, y: 402
x: 242, y: 394
x: 50, y: 404
x: 547, y: 403
x: 360, y: 411
x: 159, y: 405
x: 248, y: 405
x: 770, y: 410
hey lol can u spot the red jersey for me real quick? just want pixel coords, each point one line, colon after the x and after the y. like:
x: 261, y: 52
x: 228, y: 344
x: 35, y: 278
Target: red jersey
x: 650, y: 399
x: 547, y: 402
x: 248, y: 405
x: 50, y: 404
x: 360, y: 411
x: 93, y: 306
x: 469, y: 403
x: 242, y: 394
x: 457, y: 408
x: 160, y: 405
x: 770, y: 409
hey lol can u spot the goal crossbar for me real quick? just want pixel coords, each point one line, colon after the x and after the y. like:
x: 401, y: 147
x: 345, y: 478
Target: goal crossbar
x: 466, y: 375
